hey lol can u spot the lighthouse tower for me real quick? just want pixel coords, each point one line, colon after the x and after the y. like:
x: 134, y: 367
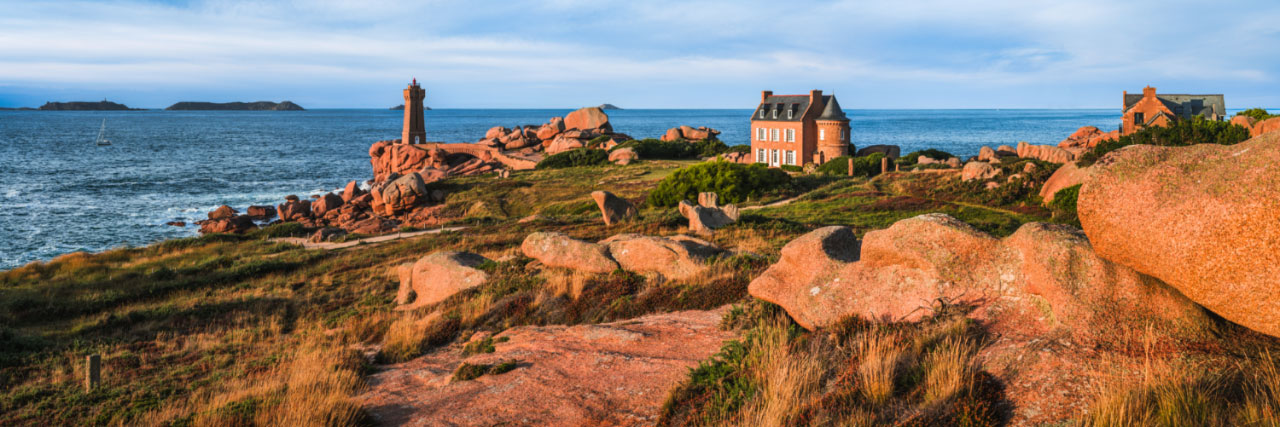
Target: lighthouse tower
x: 414, y: 130
x: 833, y: 132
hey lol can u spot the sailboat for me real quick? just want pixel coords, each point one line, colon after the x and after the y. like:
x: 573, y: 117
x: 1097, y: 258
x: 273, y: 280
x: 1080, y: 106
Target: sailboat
x: 103, y: 141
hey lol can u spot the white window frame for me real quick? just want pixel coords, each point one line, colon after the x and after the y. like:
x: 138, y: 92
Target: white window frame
x: 761, y: 155
x: 791, y: 135
x: 760, y: 134
x: 790, y: 157
x: 773, y: 159
x: 775, y: 113
x: 822, y: 134
x: 773, y: 135
x: 790, y: 114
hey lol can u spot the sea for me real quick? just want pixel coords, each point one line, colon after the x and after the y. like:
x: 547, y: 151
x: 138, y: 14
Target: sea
x: 60, y: 193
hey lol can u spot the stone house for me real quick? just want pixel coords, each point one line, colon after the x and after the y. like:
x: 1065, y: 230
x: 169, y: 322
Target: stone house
x: 798, y: 129
x: 1150, y: 109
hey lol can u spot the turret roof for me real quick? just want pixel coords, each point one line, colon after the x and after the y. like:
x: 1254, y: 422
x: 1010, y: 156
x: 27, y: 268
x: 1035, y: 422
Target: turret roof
x: 833, y: 111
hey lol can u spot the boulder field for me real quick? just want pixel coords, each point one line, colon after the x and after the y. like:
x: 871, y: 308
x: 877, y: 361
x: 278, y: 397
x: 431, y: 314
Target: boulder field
x: 1204, y: 218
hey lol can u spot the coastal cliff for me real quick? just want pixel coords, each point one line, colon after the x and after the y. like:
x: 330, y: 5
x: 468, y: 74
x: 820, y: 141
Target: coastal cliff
x: 235, y: 106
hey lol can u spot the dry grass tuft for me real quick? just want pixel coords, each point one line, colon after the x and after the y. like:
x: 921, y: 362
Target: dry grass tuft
x: 1245, y: 394
x: 880, y: 354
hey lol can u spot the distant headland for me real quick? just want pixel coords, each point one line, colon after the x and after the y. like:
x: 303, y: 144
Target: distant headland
x: 609, y: 107
x: 103, y: 105
x: 235, y: 106
x: 401, y: 107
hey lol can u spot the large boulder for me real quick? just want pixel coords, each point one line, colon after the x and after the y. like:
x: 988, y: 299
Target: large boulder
x: 222, y: 212
x: 551, y: 129
x: 623, y: 156
x: 690, y: 133
x: 437, y: 276
x: 325, y: 203
x: 987, y: 154
x: 1067, y: 175
x: 401, y: 195
x: 563, y: 143
x: 1086, y: 138
x: 590, y: 118
x: 1046, y: 153
x: 1203, y: 218
x: 559, y: 250
x: 676, y: 257
x: 891, y: 151
x: 351, y: 191
x: 1266, y: 126
x: 236, y: 224
x: 294, y: 209
x: 707, y: 215
x: 979, y: 170
x: 614, y: 209
x: 260, y: 212
x: 1046, y: 271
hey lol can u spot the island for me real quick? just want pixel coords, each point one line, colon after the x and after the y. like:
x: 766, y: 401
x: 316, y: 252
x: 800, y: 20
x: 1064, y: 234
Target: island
x: 401, y: 108
x: 235, y: 106
x: 609, y: 107
x: 17, y: 109
x: 103, y: 105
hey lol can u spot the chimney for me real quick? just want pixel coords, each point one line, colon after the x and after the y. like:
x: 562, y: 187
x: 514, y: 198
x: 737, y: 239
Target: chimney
x: 815, y: 96
x: 765, y: 94
x: 1148, y: 92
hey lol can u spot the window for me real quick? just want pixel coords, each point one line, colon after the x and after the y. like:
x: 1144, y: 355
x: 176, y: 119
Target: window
x: 822, y: 134
x: 790, y: 112
x: 773, y: 134
x: 791, y: 157
x: 1138, y: 119
x: 775, y: 157
x: 775, y: 112
x: 760, y: 134
x: 762, y: 108
x: 791, y: 135
x: 760, y: 155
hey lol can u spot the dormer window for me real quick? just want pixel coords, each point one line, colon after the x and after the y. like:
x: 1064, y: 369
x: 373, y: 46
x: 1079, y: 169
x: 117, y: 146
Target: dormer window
x: 762, y: 110
x: 791, y: 112
x: 775, y: 111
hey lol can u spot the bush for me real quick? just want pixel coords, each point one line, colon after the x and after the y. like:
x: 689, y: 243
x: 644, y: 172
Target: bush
x: 656, y: 149
x: 734, y: 182
x: 912, y: 157
x: 791, y: 168
x: 1257, y: 113
x: 1064, y: 205
x: 283, y: 229
x: 867, y: 166
x: 1182, y: 133
x: 575, y: 157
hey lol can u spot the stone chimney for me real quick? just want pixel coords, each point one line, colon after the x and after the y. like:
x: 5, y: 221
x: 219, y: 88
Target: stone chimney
x: 1148, y: 92
x: 765, y: 94
x: 815, y: 96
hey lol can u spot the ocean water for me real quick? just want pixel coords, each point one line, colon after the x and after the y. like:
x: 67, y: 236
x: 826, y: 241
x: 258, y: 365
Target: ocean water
x: 60, y: 193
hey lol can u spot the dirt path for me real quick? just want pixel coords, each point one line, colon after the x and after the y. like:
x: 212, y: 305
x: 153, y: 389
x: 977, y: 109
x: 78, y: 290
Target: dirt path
x: 302, y: 241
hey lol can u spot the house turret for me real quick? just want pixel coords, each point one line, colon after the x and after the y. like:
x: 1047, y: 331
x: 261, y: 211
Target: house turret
x: 833, y: 132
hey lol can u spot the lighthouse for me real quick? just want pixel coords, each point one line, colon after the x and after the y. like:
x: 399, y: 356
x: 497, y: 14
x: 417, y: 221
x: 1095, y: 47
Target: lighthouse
x: 415, y: 131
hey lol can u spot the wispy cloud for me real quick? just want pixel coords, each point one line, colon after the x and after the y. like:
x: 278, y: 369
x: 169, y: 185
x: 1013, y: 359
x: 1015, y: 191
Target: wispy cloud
x: 559, y: 53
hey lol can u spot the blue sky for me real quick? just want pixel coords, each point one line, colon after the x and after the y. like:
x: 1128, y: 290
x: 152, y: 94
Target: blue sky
x: 638, y: 54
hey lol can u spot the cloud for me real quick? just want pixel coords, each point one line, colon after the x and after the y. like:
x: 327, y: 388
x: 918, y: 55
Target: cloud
x: 519, y: 53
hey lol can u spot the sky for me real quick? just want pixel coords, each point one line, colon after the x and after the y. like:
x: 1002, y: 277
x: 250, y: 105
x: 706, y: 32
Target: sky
x: 638, y: 54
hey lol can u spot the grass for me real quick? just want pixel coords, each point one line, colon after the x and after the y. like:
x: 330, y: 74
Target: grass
x: 859, y: 373
x: 468, y: 372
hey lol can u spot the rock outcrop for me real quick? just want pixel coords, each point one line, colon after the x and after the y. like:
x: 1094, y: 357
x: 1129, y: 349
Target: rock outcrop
x: 623, y: 156
x: 676, y: 257
x: 1086, y: 138
x: 559, y: 250
x: 400, y: 195
x: 1067, y: 175
x: 588, y: 119
x: 900, y: 272
x: 707, y: 215
x: 294, y: 209
x: 437, y: 276
x: 1046, y: 153
x: 688, y: 133
x: 979, y: 170
x: 261, y: 212
x: 223, y: 212
x: 326, y: 203
x: 607, y: 374
x: 1204, y: 219
x: 614, y: 209
x: 236, y: 224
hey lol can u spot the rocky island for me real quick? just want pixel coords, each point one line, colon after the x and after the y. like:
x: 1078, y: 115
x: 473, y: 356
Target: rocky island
x: 102, y: 105
x: 235, y: 106
x: 608, y: 107
x: 401, y: 107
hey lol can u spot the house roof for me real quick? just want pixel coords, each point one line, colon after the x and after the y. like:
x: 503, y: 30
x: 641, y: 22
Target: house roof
x: 1183, y: 105
x: 797, y: 104
x: 832, y: 111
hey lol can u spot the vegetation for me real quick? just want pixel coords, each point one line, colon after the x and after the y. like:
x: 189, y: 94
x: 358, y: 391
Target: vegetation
x: 1064, y: 205
x: 1257, y: 114
x: 468, y: 372
x: 866, y: 166
x: 575, y: 157
x: 657, y: 149
x: 734, y: 182
x: 857, y: 373
x: 914, y: 156
x: 1181, y: 133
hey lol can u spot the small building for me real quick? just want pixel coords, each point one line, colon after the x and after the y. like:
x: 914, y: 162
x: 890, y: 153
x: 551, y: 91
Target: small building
x: 798, y: 129
x: 1150, y: 109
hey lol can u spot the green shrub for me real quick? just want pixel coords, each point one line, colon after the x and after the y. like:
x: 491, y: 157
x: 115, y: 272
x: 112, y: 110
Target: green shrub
x: 1257, y: 113
x: 283, y: 229
x: 791, y: 168
x: 575, y: 157
x: 598, y: 141
x: 738, y: 149
x: 656, y: 149
x: 1064, y: 205
x: 1182, y: 133
x: 734, y: 182
x: 468, y: 372
x: 912, y: 157
x: 867, y: 166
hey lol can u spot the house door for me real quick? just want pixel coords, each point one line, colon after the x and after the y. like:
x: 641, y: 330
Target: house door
x: 773, y: 158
